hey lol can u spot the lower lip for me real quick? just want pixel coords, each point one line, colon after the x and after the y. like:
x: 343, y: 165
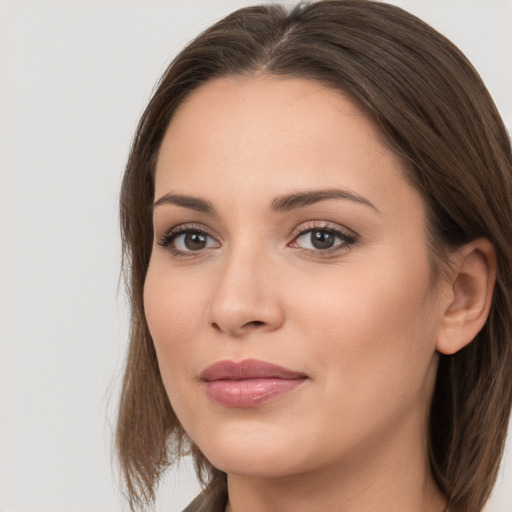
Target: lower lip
x: 247, y: 393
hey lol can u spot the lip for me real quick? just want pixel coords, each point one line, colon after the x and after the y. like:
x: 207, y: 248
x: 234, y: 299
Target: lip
x: 248, y: 383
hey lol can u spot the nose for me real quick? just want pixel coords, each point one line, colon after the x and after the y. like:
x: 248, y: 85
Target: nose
x: 246, y: 298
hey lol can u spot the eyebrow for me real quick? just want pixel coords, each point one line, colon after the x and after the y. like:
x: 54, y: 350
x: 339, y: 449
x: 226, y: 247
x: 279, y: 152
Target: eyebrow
x: 283, y: 203
x: 300, y: 199
x: 190, y: 202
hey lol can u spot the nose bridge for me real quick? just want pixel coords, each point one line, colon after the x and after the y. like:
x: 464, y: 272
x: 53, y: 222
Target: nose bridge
x: 244, y: 298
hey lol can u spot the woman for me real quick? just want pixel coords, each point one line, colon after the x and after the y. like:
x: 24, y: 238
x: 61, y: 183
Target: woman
x: 313, y: 216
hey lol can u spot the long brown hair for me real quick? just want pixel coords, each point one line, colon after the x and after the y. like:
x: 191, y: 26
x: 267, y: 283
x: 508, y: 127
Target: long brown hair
x: 435, y: 113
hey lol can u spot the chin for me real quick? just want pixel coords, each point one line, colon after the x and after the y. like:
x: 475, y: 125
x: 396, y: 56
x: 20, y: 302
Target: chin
x: 256, y: 452
x: 254, y: 464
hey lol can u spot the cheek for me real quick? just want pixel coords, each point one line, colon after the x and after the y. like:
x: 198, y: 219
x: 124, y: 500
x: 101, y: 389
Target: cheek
x: 171, y: 307
x: 374, y: 326
x: 171, y: 300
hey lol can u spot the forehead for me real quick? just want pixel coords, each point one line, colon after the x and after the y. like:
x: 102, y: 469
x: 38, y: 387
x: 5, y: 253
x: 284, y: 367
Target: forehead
x: 266, y: 106
x: 269, y: 134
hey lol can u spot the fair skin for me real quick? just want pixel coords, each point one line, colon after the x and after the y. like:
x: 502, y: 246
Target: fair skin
x: 236, y: 275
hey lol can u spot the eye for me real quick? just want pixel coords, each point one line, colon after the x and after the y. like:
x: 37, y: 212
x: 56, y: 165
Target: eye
x: 185, y: 241
x: 323, y: 239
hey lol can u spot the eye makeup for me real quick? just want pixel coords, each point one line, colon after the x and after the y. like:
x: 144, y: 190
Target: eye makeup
x: 319, y: 238
x: 315, y: 238
x: 187, y: 240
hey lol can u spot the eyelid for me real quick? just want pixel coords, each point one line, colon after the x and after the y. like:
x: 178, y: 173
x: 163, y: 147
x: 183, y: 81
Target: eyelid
x: 167, y: 238
x: 322, y: 224
x: 186, y: 226
x: 348, y: 236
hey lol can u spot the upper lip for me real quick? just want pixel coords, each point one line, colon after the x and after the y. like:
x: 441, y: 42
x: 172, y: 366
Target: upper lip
x: 247, y: 369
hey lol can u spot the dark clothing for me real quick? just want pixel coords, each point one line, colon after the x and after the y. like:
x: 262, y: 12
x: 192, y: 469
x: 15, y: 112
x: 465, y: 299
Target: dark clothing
x: 203, y: 504
x: 212, y: 499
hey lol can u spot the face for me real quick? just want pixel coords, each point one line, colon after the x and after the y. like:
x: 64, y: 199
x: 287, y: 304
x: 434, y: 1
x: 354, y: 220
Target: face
x: 289, y: 293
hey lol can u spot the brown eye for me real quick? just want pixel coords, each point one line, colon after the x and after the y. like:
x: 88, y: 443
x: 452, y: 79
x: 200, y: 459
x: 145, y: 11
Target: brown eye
x: 183, y: 241
x: 193, y: 241
x: 322, y: 239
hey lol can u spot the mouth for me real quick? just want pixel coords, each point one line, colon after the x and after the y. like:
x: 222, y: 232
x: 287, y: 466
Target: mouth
x: 248, y: 383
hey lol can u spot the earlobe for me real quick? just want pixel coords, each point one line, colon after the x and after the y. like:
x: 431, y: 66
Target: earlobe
x: 471, y: 287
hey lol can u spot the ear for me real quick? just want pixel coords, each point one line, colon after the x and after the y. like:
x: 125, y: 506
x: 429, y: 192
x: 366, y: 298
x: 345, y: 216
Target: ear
x: 469, y: 294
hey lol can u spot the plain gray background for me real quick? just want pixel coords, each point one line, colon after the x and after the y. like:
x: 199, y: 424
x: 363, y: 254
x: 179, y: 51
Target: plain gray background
x: 75, y: 77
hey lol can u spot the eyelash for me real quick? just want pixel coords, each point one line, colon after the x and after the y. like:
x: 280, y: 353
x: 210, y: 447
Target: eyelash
x: 168, y: 239
x: 348, y: 239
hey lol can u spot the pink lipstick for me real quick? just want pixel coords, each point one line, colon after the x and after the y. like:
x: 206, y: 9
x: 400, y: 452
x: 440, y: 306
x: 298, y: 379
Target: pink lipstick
x: 248, y: 383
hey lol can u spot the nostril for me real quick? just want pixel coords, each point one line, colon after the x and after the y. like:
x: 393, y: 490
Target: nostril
x: 254, y: 323
x: 237, y: 330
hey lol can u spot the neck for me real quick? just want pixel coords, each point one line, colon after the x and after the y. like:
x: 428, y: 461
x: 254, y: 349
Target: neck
x: 381, y: 478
